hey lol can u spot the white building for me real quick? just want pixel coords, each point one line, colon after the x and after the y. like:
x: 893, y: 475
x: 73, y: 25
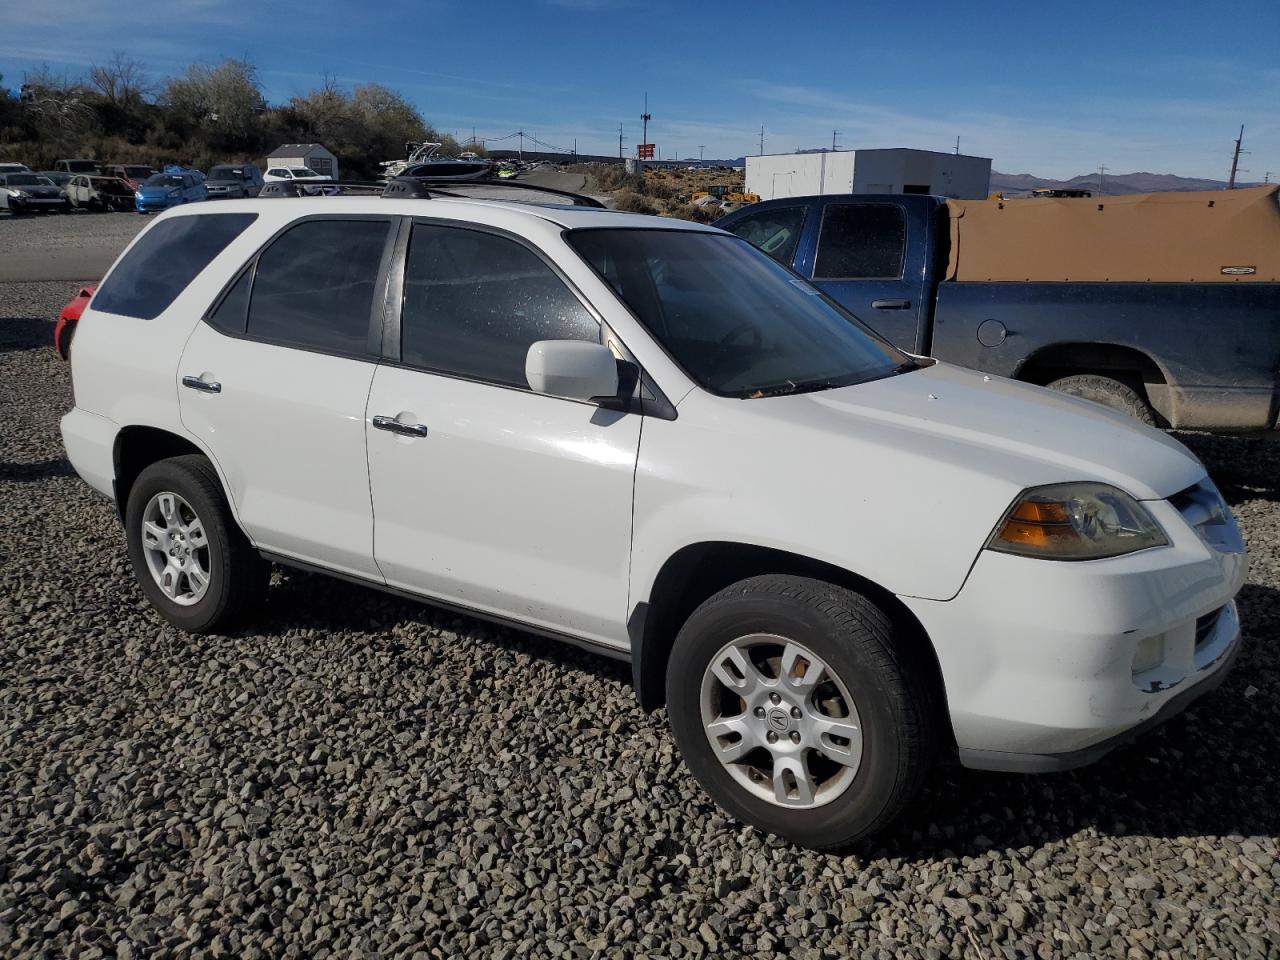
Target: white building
x: 898, y: 170
x: 311, y: 155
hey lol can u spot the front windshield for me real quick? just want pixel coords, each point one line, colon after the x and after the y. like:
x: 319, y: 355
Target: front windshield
x: 738, y: 323
x: 163, y: 180
x: 303, y: 172
x: 226, y: 173
x: 27, y: 180
x: 138, y: 171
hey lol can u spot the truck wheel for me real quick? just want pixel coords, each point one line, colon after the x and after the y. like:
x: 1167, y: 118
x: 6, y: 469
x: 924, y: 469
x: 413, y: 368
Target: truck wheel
x: 192, y: 561
x: 1108, y: 392
x: 797, y: 711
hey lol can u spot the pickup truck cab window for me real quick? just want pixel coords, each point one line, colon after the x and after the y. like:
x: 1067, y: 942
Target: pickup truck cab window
x: 736, y: 321
x: 314, y: 285
x: 475, y: 302
x: 776, y: 231
x: 861, y: 241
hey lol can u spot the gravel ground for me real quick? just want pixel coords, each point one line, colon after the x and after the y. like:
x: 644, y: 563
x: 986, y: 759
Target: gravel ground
x: 52, y: 231
x: 364, y: 777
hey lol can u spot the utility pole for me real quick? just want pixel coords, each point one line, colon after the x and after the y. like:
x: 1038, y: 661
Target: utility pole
x: 701, y: 147
x: 575, y: 149
x: 644, y: 120
x: 1266, y: 177
x: 521, y: 144
x: 762, y: 139
x: 957, y: 146
x: 1235, y: 160
x: 834, y: 134
x: 1102, y: 178
x: 619, y: 141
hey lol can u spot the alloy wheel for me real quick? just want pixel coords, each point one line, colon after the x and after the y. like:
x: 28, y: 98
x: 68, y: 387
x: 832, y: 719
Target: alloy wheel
x: 781, y: 721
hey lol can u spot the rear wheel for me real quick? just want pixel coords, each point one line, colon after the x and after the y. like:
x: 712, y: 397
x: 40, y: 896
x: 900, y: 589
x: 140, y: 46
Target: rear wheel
x: 1107, y: 391
x: 798, y: 711
x: 192, y: 561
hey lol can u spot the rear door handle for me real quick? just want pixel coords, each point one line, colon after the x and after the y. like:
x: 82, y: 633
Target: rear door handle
x: 204, y: 386
x: 891, y: 304
x: 403, y: 429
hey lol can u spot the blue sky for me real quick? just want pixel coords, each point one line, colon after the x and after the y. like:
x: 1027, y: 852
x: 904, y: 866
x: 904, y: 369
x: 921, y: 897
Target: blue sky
x: 1161, y: 87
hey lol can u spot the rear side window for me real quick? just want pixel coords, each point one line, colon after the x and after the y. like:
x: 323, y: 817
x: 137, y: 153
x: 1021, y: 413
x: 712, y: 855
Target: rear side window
x: 164, y: 260
x: 474, y: 303
x: 775, y: 231
x: 861, y: 241
x: 314, y: 285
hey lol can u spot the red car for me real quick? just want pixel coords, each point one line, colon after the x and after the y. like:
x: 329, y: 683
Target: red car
x: 68, y: 318
x: 131, y: 173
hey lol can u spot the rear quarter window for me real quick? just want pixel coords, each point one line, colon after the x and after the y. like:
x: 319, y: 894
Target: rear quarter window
x: 164, y: 260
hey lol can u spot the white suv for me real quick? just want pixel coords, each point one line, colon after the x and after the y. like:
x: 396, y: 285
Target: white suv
x: 834, y: 563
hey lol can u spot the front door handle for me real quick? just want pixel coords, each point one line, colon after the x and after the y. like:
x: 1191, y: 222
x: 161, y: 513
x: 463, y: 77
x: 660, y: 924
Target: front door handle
x: 204, y: 386
x: 890, y: 304
x: 404, y: 429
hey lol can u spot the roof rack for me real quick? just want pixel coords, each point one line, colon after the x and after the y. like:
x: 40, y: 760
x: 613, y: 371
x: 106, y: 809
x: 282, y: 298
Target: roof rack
x: 417, y: 188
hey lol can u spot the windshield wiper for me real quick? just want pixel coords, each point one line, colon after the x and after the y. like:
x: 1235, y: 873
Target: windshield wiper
x: 790, y: 386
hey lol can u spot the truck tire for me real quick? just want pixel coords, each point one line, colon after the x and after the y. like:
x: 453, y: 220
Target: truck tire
x: 797, y: 711
x: 1107, y: 391
x: 189, y: 556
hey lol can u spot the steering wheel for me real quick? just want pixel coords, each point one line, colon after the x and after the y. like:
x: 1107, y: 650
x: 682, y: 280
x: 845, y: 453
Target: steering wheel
x: 757, y: 339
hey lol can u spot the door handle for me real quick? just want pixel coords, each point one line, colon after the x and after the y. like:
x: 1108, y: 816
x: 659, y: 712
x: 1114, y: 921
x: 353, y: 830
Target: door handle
x: 890, y: 304
x: 204, y: 386
x: 404, y: 429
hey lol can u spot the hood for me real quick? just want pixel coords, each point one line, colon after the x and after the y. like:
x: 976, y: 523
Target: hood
x: 149, y: 190
x: 874, y: 477
x: 224, y: 182
x: 1014, y: 431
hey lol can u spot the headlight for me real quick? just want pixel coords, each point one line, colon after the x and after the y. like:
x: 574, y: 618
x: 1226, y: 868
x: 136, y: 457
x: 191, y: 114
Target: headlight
x: 1076, y: 521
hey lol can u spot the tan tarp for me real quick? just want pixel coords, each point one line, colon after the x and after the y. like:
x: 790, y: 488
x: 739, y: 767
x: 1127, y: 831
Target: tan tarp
x: 1224, y: 236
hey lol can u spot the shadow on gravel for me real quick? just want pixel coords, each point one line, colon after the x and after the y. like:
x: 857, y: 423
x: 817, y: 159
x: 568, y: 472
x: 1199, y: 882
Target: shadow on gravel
x: 24, y: 333
x: 44, y: 470
x: 1244, y: 468
x: 302, y: 600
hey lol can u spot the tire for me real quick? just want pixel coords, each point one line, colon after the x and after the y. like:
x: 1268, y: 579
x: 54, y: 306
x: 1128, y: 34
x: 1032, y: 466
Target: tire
x: 1107, y: 391
x: 855, y: 640
x: 236, y: 576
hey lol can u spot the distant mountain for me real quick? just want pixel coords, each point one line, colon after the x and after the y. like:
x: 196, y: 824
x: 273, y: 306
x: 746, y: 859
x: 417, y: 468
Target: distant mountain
x: 1114, y: 184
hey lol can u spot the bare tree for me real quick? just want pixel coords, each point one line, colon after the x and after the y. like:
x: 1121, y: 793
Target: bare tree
x: 120, y: 81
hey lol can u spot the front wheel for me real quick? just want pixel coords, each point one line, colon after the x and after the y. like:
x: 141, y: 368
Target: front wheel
x: 192, y: 561
x: 799, y: 710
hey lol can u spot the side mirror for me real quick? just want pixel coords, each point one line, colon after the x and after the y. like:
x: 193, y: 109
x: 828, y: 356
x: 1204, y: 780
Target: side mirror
x: 577, y: 369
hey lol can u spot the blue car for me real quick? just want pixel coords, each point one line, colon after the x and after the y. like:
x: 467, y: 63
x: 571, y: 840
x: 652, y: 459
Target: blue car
x: 160, y: 191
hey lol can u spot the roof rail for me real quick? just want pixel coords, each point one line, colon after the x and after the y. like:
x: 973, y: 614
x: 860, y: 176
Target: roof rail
x: 426, y: 187
x: 412, y: 188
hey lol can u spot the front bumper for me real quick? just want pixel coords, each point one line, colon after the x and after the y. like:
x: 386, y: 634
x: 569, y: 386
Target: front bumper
x: 1048, y: 665
x: 155, y: 204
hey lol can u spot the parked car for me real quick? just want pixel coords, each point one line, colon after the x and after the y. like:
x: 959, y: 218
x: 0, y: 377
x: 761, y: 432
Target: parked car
x: 100, y: 193
x: 832, y: 561
x: 60, y: 178
x: 29, y: 192
x: 234, y: 180
x: 78, y: 166
x: 163, y: 190
x: 131, y: 173
x: 1163, y: 306
x: 14, y: 168
x: 275, y: 174
x: 65, y: 329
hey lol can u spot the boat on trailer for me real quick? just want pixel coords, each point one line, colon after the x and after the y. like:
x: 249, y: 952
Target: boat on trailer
x: 425, y: 160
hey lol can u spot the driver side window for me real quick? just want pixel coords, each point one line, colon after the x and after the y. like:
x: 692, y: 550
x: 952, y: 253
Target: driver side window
x: 775, y: 231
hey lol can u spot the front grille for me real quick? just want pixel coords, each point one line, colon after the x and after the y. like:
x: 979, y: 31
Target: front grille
x: 1205, y: 625
x: 1207, y: 513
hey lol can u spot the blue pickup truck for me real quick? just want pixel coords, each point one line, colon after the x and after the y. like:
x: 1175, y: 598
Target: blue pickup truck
x: 1165, y: 306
